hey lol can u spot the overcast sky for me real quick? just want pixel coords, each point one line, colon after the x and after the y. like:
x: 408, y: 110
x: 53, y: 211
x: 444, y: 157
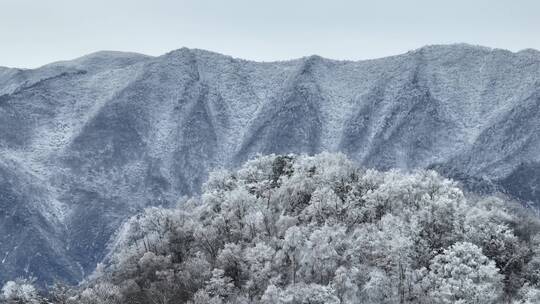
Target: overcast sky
x: 36, y: 32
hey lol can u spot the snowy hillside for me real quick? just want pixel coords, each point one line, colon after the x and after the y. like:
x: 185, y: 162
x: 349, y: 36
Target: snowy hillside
x: 86, y: 143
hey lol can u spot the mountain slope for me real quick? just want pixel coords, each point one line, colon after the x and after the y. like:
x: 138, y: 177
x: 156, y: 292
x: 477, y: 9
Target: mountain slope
x: 106, y: 135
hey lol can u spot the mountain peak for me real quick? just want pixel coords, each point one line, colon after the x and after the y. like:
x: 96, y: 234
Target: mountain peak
x: 102, y: 59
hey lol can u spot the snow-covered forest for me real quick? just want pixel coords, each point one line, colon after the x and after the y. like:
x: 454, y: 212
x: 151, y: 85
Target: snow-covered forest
x: 316, y: 229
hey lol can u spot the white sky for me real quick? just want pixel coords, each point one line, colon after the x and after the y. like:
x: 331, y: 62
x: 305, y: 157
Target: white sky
x: 36, y: 32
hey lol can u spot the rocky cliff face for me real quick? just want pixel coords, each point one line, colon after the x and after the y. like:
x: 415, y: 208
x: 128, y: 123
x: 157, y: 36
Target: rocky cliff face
x: 88, y: 142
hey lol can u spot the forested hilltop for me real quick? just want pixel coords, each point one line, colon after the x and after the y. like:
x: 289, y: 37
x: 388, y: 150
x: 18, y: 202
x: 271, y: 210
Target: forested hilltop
x: 317, y: 229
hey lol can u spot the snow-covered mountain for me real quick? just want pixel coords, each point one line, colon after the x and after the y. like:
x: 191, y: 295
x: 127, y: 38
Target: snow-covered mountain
x: 88, y: 142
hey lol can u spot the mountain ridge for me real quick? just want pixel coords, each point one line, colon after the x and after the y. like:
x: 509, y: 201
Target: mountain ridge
x: 110, y: 133
x: 531, y: 51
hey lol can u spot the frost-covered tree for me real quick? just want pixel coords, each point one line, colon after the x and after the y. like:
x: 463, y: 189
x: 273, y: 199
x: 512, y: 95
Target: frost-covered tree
x: 300, y: 294
x: 528, y: 295
x: 346, y: 283
x: 101, y: 293
x: 462, y: 274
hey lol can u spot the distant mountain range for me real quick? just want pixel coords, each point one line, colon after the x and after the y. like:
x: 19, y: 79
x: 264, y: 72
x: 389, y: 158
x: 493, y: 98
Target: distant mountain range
x: 86, y: 143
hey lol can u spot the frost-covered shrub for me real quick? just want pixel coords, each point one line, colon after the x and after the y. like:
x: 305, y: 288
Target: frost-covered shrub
x: 20, y: 291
